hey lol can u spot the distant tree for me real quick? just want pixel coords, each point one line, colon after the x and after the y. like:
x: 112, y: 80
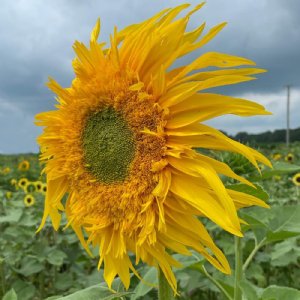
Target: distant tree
x: 277, y: 136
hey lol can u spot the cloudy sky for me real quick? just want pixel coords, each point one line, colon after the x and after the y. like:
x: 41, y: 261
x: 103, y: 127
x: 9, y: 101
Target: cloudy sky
x: 36, y: 40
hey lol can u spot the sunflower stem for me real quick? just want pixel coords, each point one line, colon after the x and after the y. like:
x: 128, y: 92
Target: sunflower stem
x: 252, y: 254
x: 164, y: 290
x: 216, y: 283
x: 238, y: 268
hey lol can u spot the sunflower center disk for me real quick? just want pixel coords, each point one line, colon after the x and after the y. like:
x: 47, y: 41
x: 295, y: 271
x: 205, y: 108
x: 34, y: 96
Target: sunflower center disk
x: 108, y: 145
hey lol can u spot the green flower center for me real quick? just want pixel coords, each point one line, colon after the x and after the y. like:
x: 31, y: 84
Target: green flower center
x: 108, y: 146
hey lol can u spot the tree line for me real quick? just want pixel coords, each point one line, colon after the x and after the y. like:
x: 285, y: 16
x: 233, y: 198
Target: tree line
x: 276, y: 136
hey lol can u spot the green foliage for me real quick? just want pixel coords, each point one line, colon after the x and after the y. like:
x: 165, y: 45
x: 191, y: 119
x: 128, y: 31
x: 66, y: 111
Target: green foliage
x: 52, y: 265
x: 277, y: 136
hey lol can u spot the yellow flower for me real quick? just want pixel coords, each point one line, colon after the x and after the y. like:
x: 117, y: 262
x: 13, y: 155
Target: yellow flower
x: 29, y: 200
x: 121, y: 144
x: 296, y: 179
x: 13, y: 182
x: 289, y: 157
x: 22, y: 183
x: 6, y: 170
x: 38, y: 186
x: 24, y: 165
x: 8, y: 195
x: 276, y: 156
x: 277, y: 177
x: 44, y: 188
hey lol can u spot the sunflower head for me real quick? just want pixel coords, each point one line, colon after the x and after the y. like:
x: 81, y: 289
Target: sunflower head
x: 38, y: 185
x: 24, y: 165
x: 44, y: 188
x: 296, y: 179
x: 121, y: 145
x: 289, y: 157
x: 23, y: 182
x: 29, y: 200
x: 277, y: 177
x: 276, y: 156
x: 6, y: 170
x: 13, y: 182
x: 8, y: 195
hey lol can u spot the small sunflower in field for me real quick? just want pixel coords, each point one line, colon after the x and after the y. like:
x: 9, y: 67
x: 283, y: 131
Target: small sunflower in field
x: 44, y: 188
x: 6, y: 170
x: 22, y: 183
x: 277, y: 177
x: 38, y: 186
x: 121, y: 145
x: 289, y: 157
x: 24, y: 165
x: 13, y: 182
x: 29, y: 200
x: 8, y: 195
x: 296, y: 179
x: 276, y: 156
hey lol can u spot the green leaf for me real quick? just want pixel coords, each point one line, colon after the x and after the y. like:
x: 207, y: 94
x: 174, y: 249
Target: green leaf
x: 56, y: 257
x: 248, y: 290
x: 285, y: 224
x: 64, y: 281
x: 142, y: 289
x: 10, y: 295
x: 187, y: 261
x: 257, y: 192
x: 30, y: 266
x: 117, y: 295
x: 279, y: 168
x: 13, y: 215
x: 285, y: 253
x: 274, y: 292
x: 24, y: 290
x: 95, y: 292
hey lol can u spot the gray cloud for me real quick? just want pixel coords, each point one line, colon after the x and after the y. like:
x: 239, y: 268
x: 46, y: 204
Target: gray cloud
x: 37, y: 37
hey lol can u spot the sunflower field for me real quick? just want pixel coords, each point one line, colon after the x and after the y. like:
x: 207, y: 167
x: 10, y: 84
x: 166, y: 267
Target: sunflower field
x: 53, y: 265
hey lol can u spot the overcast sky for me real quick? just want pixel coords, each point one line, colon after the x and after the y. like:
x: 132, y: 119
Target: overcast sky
x: 36, y: 40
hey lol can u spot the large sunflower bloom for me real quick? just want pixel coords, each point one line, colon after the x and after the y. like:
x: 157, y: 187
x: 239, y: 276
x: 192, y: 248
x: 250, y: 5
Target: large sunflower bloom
x: 120, y: 144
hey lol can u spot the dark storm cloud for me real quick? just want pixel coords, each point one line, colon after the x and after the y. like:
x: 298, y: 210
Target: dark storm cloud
x: 37, y: 36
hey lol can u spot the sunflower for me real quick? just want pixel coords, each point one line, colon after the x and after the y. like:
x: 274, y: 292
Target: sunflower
x: 276, y: 156
x: 277, y: 177
x: 121, y: 145
x: 13, y: 182
x: 24, y: 165
x: 296, y: 179
x: 38, y: 186
x: 8, y: 195
x: 6, y: 170
x: 29, y: 200
x: 22, y: 183
x: 44, y: 188
x: 289, y: 157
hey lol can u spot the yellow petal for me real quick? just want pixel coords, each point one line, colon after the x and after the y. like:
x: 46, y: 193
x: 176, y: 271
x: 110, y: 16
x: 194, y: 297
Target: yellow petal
x: 188, y: 189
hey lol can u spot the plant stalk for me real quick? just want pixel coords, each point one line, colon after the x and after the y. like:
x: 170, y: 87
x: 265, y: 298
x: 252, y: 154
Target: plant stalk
x: 2, y: 274
x: 238, y: 268
x: 216, y: 283
x: 251, y: 255
x: 165, y: 292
